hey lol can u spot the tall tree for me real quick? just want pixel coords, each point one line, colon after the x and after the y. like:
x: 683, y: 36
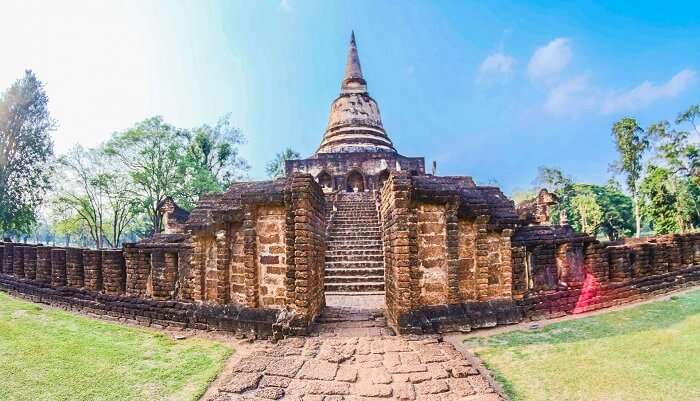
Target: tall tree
x: 589, y: 212
x: 152, y: 152
x: 79, y: 196
x: 212, y: 159
x: 25, y: 151
x: 631, y: 142
x: 275, y: 167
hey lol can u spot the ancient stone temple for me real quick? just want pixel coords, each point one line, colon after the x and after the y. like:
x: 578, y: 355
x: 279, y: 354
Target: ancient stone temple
x: 355, y: 219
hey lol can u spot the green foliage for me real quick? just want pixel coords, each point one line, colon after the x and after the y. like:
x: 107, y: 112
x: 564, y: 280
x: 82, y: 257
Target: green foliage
x: 584, y: 204
x: 162, y: 160
x: 594, y: 209
x: 275, y: 167
x: 95, y: 191
x: 25, y: 152
x: 212, y: 160
x: 669, y: 202
x: 631, y: 142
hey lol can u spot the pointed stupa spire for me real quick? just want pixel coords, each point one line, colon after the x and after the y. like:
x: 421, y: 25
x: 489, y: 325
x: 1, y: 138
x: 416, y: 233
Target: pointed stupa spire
x: 354, y: 124
x: 353, y: 80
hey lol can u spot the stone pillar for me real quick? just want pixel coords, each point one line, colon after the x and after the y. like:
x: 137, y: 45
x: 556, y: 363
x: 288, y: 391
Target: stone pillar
x: 166, y: 287
x: 2, y: 257
x: 595, y: 258
x: 74, y: 267
x: 92, y: 263
x: 250, y: 252
x: 696, y: 249
x: 8, y: 265
x: 223, y: 260
x: 113, y: 272
x: 195, y: 277
x: 43, y: 265
x: 687, y: 251
x: 184, y: 276
x: 620, y: 268
x: 304, y: 238
x: 18, y: 261
x: 30, y: 262
x: 482, y: 261
x: 137, y: 274
x: 506, y: 264
x: 399, y: 233
x: 58, y: 267
x: 452, y: 242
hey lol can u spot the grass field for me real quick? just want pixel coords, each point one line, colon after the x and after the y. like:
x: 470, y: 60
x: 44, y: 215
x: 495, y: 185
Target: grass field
x: 649, y: 352
x: 51, y: 355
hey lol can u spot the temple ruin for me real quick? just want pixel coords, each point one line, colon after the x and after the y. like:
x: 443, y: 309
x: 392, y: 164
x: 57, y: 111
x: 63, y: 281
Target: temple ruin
x: 355, y: 218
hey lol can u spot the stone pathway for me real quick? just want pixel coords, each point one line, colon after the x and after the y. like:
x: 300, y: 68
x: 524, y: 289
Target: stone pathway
x: 354, y: 357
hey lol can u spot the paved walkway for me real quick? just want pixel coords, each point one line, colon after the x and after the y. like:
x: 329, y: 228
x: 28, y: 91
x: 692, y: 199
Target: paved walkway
x: 353, y: 357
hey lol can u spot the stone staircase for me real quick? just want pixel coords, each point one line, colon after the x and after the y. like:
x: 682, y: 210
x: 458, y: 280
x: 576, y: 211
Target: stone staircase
x: 354, y: 256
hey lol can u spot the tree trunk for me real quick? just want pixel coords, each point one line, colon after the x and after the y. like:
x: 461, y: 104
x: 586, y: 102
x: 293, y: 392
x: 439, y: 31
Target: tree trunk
x: 637, y: 217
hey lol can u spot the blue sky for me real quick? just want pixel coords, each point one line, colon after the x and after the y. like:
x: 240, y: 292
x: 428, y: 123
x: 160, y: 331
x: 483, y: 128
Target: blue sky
x: 487, y: 89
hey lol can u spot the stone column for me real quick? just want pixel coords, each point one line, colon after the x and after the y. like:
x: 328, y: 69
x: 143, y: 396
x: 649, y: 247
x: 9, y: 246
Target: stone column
x: 18, y: 261
x: 137, y: 274
x: 30, y: 262
x: 8, y: 265
x: 58, y: 267
x: 482, y: 262
x: 92, y: 263
x: 250, y: 252
x: 74, y: 267
x: 452, y: 239
x: 43, y: 264
x: 113, y: 272
x: 223, y: 260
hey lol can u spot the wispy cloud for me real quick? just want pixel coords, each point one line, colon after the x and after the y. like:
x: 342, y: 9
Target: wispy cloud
x: 548, y: 61
x: 285, y: 6
x: 647, y: 93
x: 578, y: 95
x: 572, y: 96
x: 497, y: 67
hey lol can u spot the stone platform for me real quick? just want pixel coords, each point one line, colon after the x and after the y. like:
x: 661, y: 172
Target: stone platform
x: 354, y: 356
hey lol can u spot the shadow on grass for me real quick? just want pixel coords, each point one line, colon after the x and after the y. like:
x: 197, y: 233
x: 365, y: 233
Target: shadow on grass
x: 652, y: 316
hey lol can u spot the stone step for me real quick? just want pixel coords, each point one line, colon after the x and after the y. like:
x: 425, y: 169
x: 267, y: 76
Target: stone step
x: 353, y: 279
x: 357, y: 230
x: 340, y: 272
x: 354, y: 287
x: 362, y: 241
x: 354, y: 252
x: 350, y: 239
x: 363, y: 264
x: 355, y: 258
x: 351, y: 247
x: 355, y: 223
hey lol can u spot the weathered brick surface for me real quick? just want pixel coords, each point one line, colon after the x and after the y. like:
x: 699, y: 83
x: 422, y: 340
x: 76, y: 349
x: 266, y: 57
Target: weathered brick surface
x: 74, y: 267
x: 58, y: 267
x: 455, y: 257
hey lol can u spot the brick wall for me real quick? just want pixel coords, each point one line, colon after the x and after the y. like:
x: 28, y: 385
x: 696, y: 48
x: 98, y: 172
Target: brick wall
x: 455, y: 260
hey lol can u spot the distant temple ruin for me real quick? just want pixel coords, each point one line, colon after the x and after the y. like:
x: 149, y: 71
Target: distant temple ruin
x: 356, y: 218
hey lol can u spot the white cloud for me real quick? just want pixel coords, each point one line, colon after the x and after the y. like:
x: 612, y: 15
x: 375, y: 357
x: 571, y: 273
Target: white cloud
x: 497, y: 67
x: 548, y: 61
x: 572, y: 96
x: 285, y: 6
x: 647, y: 93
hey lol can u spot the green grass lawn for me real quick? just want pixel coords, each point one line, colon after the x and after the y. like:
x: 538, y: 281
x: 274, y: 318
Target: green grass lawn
x: 649, y: 352
x: 51, y: 355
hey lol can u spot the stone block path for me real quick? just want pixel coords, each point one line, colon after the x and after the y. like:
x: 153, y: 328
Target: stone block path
x: 353, y: 356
